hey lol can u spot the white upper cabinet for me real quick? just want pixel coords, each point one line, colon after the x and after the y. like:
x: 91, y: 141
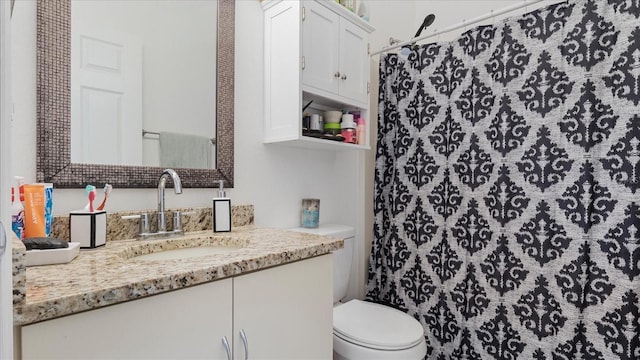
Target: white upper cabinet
x: 334, y: 54
x: 354, y: 62
x: 316, y: 52
x: 320, y: 48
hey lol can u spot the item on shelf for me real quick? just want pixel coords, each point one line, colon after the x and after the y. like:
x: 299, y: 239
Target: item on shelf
x: 333, y: 131
x: 316, y: 123
x: 349, y: 4
x: 348, y: 128
x: 363, y: 11
x: 361, y: 131
x: 306, y: 124
x: 310, y: 215
x: 332, y: 128
x: 332, y: 116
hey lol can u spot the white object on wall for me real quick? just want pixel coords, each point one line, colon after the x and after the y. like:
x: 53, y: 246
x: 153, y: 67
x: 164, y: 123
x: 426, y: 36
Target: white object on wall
x: 106, y: 93
x: 6, y: 283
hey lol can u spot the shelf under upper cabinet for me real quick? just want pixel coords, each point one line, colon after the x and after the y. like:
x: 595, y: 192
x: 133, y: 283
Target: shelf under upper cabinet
x: 308, y: 142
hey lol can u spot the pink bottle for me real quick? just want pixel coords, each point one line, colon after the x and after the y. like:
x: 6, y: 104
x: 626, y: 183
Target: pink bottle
x: 361, y: 132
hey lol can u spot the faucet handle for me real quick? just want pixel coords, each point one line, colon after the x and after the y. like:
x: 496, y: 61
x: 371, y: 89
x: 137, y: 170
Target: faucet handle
x: 145, y: 223
x: 177, y: 219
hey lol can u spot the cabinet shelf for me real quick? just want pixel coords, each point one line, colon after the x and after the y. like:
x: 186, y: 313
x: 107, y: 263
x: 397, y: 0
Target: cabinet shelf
x: 312, y: 143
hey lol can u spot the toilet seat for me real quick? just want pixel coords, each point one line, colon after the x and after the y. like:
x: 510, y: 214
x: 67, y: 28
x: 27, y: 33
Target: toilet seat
x: 376, y: 326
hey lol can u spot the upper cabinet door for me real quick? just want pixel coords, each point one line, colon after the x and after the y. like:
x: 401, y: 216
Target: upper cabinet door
x: 320, y: 47
x: 354, y: 57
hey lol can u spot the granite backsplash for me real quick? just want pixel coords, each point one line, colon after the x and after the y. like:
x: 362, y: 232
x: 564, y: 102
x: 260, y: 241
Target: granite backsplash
x: 193, y: 219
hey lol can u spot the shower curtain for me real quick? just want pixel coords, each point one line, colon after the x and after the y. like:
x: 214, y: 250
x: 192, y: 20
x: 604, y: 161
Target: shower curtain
x: 507, y: 186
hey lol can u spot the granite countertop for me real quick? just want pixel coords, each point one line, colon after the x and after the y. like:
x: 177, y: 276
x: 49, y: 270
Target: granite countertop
x: 112, y: 274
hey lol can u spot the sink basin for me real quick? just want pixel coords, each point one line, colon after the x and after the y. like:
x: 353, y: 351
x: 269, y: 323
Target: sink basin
x: 184, y: 248
x: 187, y: 253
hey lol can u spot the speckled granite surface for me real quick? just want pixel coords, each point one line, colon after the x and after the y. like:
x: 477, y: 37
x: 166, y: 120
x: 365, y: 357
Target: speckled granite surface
x: 194, y: 219
x: 19, y: 273
x: 112, y: 274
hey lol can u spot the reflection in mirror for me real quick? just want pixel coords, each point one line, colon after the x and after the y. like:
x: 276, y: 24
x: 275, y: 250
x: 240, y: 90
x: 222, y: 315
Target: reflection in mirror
x: 143, y: 82
x: 54, y: 161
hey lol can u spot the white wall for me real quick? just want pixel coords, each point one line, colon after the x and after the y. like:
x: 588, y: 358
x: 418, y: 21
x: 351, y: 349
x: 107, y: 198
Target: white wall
x: 272, y: 177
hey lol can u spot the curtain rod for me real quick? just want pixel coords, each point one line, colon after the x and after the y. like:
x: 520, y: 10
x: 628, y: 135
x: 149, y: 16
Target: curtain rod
x: 460, y: 25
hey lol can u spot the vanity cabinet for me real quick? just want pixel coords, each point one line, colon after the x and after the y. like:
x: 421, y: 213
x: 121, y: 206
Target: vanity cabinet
x: 284, y: 312
x: 187, y: 323
x: 316, y: 51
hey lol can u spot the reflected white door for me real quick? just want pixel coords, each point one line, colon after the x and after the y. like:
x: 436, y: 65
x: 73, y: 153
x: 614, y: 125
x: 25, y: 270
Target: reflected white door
x: 106, y: 106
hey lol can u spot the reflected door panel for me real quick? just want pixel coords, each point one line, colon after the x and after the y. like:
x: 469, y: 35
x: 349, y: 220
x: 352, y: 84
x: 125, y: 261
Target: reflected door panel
x: 106, y: 78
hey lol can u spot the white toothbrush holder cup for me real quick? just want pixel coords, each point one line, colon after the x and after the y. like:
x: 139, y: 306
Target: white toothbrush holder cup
x: 88, y: 228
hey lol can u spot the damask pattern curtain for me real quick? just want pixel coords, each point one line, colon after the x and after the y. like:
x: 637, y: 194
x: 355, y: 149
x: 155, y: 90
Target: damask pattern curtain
x: 507, y: 202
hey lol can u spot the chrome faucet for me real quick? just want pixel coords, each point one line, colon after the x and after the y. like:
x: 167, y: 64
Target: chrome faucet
x: 177, y: 187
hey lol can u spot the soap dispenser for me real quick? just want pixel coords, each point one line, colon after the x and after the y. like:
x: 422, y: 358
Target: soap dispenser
x: 221, y: 211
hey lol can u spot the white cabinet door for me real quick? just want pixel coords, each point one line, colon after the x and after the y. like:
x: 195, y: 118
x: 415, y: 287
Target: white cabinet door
x: 183, y: 324
x: 335, y: 53
x: 282, y: 94
x: 354, y: 62
x: 320, y: 44
x: 286, y: 312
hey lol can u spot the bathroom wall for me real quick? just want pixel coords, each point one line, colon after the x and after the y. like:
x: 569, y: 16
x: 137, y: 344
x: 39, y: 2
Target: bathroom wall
x: 272, y: 177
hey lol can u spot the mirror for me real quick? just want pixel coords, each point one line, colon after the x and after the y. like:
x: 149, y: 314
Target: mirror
x: 142, y: 82
x: 54, y: 162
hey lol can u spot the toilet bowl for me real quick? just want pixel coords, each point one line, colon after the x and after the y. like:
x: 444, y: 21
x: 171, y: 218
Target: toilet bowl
x: 365, y: 330
x: 362, y: 329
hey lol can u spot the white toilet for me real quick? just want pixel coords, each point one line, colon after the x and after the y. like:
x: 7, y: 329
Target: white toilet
x: 361, y: 329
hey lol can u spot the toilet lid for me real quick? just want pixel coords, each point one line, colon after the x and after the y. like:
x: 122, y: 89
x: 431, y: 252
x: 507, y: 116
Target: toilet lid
x: 376, y: 326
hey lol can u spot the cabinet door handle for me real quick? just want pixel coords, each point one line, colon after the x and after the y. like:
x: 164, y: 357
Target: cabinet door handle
x: 344, y: 77
x: 225, y: 342
x: 245, y: 343
x: 337, y: 74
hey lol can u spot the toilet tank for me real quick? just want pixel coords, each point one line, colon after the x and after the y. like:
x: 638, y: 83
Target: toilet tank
x: 342, y: 259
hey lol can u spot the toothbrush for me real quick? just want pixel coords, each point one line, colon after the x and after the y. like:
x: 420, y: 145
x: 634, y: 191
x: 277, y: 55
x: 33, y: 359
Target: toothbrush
x: 90, y: 191
x: 92, y: 196
x: 107, y: 190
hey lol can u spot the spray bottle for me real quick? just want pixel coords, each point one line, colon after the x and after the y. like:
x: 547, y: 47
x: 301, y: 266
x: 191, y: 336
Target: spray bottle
x: 17, y: 209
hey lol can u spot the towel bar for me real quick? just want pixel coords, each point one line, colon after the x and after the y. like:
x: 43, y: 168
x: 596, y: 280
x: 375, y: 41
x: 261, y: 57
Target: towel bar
x: 145, y: 133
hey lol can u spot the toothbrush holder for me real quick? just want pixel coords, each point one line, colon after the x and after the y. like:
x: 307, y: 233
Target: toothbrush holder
x: 88, y: 228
